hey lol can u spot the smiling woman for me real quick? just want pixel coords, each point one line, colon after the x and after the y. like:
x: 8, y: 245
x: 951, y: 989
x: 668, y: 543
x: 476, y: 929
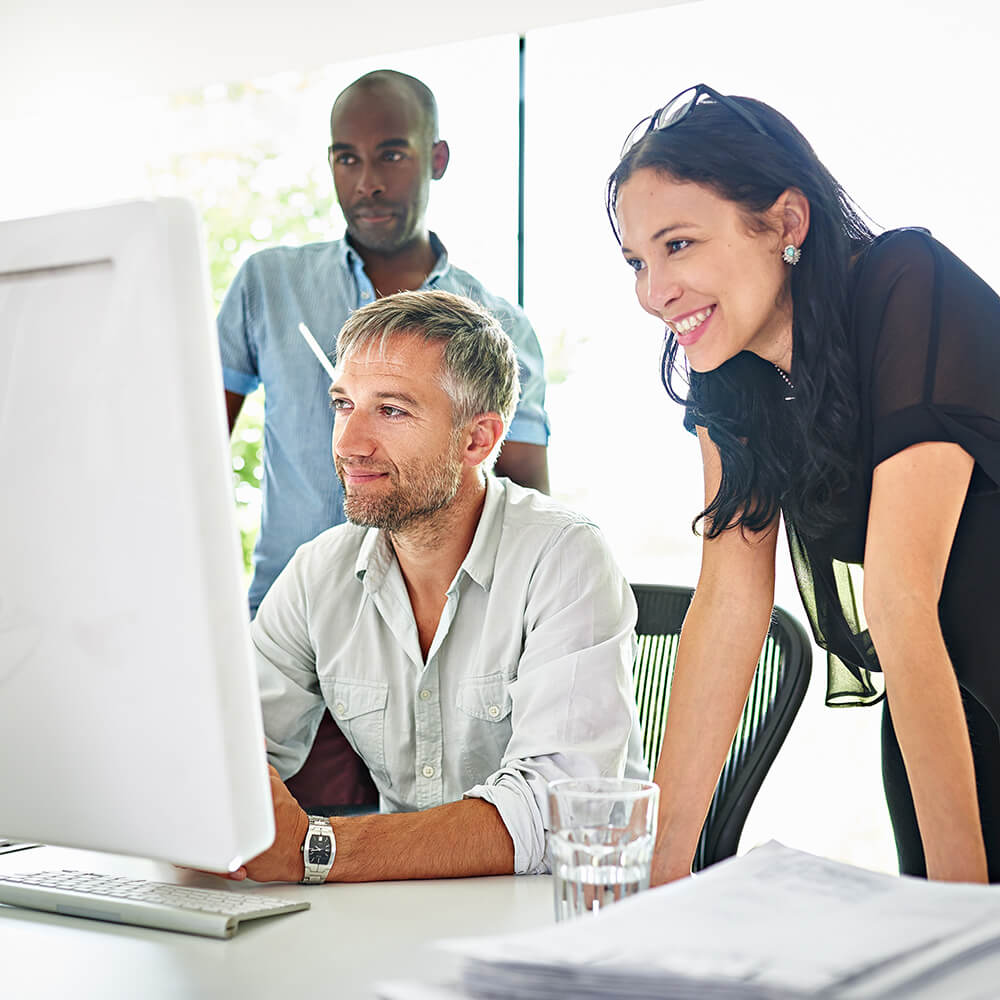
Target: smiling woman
x: 716, y: 274
x: 713, y: 220
x: 846, y: 382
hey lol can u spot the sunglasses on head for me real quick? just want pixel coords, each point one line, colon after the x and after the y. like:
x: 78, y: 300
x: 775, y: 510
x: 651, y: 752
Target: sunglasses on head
x: 678, y: 108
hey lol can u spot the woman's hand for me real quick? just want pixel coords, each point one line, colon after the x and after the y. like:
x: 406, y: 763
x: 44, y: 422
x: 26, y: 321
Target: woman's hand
x: 667, y: 868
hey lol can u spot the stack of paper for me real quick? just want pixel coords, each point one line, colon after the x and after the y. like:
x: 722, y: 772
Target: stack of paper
x: 776, y: 923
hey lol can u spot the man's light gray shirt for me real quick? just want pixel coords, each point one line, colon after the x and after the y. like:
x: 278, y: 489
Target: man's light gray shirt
x: 528, y: 678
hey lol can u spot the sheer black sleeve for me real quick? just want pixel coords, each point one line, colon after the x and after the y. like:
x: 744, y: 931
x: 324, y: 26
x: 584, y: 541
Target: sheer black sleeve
x: 928, y: 333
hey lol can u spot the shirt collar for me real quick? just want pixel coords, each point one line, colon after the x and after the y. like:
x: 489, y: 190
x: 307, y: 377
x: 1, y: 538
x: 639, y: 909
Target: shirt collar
x: 351, y: 259
x: 481, y: 559
x: 375, y: 559
x: 376, y: 556
x: 441, y: 265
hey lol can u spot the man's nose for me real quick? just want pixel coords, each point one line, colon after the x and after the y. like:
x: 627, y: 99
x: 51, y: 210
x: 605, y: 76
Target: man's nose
x: 351, y: 436
x: 370, y: 180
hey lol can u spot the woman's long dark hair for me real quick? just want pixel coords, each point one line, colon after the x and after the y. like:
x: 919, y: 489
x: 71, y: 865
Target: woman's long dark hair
x: 793, y: 457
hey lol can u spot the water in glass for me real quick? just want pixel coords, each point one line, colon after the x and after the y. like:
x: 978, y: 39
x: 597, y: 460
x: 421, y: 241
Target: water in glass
x: 592, y: 868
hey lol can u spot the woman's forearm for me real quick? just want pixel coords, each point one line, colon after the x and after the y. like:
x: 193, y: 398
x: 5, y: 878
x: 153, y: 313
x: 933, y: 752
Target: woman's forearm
x: 718, y: 652
x: 933, y: 738
x: 917, y: 498
x: 717, y: 655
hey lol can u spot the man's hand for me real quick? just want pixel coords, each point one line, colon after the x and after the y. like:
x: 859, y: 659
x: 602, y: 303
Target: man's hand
x: 389, y: 847
x: 282, y: 861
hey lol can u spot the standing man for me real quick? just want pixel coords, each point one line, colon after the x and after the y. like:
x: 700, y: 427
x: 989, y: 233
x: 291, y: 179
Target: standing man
x: 384, y: 153
x: 472, y: 638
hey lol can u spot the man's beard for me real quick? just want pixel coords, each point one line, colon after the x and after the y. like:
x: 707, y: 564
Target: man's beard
x: 386, y: 240
x: 431, y: 487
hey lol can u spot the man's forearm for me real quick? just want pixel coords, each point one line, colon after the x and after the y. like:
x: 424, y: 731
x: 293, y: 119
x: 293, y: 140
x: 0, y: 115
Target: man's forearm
x: 450, y: 841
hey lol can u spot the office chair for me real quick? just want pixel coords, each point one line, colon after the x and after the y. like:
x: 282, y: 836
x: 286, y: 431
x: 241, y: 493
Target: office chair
x: 776, y: 692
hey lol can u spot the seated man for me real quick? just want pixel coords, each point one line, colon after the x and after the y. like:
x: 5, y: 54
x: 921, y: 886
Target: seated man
x: 472, y: 638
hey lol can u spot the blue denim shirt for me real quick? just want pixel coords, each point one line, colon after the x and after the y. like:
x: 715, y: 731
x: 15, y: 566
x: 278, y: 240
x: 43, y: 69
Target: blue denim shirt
x: 320, y: 285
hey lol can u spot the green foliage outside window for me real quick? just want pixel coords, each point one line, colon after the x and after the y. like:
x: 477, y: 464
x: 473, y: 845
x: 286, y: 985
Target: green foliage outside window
x: 246, y: 206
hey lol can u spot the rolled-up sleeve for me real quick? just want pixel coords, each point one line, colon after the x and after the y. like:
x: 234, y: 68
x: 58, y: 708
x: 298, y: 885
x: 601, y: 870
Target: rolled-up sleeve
x: 236, y: 346
x: 291, y: 701
x: 573, y: 712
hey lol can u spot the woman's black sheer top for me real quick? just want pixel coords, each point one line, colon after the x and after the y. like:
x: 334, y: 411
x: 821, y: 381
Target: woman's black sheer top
x: 925, y: 333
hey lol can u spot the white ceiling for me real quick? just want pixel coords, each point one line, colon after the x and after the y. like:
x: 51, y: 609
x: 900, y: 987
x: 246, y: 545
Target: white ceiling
x: 60, y: 54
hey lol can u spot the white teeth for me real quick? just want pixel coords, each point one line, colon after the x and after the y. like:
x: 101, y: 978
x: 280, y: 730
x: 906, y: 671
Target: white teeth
x: 690, y: 323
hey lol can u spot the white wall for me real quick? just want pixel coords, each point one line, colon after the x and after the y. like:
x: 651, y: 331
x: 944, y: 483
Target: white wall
x: 59, y: 53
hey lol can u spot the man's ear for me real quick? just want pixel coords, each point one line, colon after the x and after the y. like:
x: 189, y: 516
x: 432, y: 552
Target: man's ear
x: 792, y: 211
x: 484, y: 433
x: 440, y: 155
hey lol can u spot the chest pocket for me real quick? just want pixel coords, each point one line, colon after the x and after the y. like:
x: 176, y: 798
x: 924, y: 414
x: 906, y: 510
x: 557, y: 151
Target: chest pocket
x: 484, y: 704
x: 359, y: 707
x: 486, y: 698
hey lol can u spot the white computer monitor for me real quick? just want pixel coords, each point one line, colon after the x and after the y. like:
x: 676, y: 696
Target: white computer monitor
x: 129, y: 712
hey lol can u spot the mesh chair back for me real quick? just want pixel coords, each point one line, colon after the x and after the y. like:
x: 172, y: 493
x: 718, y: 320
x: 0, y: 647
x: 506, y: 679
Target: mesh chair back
x: 776, y: 692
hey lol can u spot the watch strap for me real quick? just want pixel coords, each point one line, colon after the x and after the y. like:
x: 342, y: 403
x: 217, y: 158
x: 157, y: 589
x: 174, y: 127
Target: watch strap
x: 319, y: 850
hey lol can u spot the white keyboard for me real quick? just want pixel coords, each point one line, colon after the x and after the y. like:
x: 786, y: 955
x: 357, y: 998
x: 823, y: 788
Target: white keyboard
x: 212, y: 912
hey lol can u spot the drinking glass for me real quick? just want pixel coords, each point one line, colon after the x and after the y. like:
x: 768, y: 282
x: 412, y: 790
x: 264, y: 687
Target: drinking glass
x: 600, y: 841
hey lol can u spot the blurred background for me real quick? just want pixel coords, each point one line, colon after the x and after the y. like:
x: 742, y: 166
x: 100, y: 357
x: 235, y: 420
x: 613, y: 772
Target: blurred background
x: 896, y: 97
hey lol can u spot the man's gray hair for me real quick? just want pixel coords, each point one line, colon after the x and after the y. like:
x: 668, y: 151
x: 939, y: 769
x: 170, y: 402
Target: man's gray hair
x: 480, y: 372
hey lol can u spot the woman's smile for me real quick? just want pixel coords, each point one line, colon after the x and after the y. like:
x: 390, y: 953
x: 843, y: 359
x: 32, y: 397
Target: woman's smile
x: 690, y: 328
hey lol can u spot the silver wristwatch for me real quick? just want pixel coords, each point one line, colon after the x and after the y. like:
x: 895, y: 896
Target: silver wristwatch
x: 318, y: 850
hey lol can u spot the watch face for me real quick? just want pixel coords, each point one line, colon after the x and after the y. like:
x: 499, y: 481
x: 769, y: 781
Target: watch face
x: 319, y: 849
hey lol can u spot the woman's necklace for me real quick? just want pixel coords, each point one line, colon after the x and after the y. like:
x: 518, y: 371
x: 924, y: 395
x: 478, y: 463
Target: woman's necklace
x: 787, y: 382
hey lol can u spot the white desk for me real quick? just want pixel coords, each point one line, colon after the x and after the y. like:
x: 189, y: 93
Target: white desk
x: 352, y: 937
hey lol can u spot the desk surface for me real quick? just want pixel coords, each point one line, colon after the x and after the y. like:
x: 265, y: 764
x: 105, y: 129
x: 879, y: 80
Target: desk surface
x: 352, y: 937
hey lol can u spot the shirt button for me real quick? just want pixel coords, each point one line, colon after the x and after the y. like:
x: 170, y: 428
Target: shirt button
x: 425, y: 694
x: 428, y: 771
x: 366, y: 295
x: 494, y: 711
x: 341, y: 708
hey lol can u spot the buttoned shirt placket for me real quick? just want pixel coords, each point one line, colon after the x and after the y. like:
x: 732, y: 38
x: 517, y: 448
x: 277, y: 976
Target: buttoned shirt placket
x: 393, y: 605
x: 428, y: 721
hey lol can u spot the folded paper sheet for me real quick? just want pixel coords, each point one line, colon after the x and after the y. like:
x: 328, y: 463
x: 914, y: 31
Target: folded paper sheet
x: 776, y: 923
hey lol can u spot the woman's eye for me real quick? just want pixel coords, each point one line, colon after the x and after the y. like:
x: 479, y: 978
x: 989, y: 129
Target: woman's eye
x: 393, y: 411
x: 634, y: 263
x: 674, y: 245
x: 340, y: 405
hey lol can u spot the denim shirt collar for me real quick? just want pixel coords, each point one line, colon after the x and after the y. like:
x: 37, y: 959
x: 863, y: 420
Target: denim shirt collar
x: 354, y: 265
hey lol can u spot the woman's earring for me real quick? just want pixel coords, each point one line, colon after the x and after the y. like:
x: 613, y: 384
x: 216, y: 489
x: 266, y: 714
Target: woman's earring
x: 791, y: 254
